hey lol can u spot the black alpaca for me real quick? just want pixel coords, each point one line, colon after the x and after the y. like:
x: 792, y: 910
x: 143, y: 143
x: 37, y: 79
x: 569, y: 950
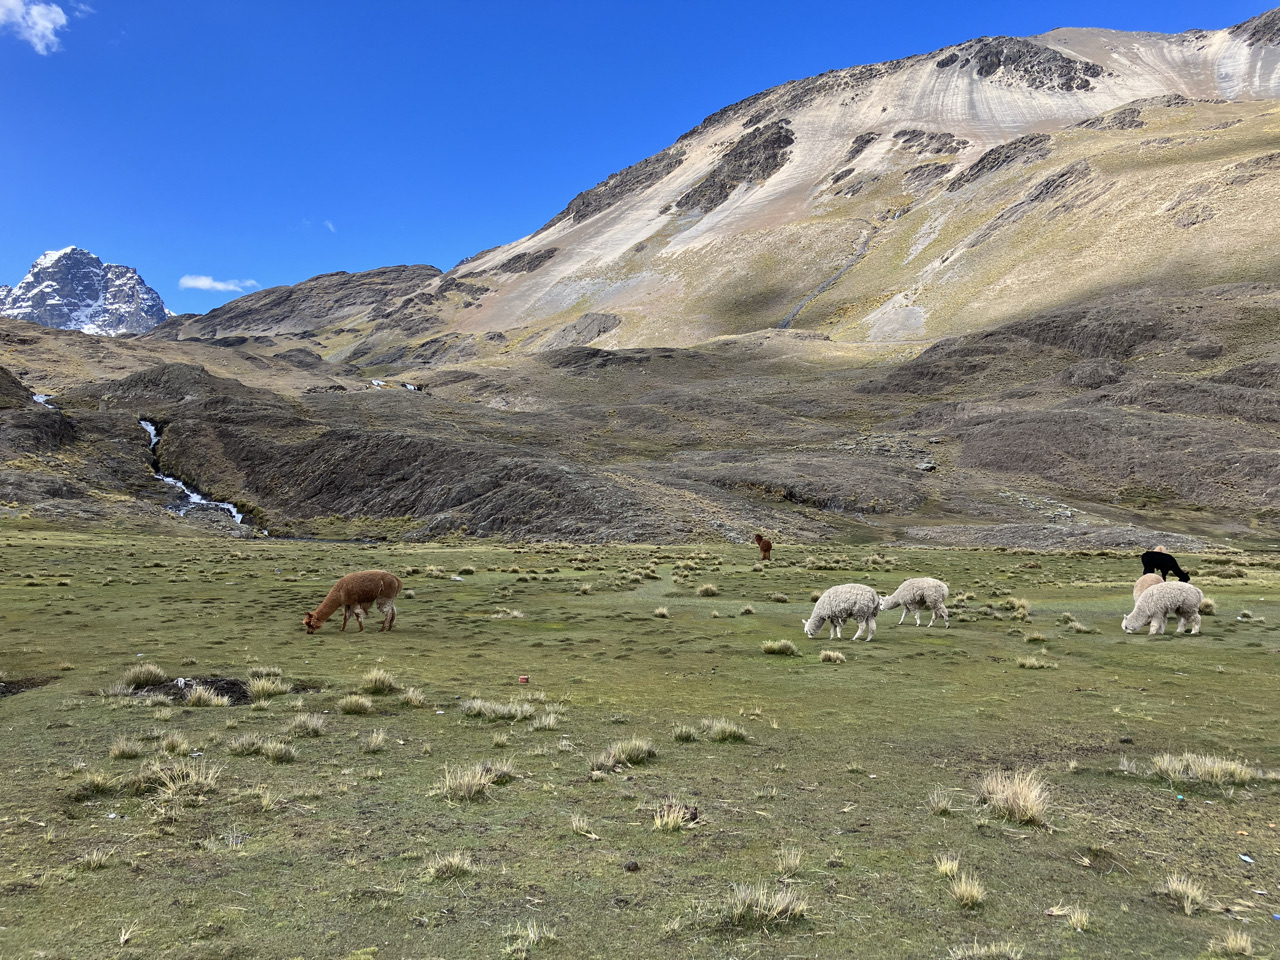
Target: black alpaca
x: 1157, y: 561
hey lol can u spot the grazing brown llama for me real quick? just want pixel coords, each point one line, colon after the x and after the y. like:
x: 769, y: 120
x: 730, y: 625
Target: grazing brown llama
x: 355, y: 594
x: 766, y: 546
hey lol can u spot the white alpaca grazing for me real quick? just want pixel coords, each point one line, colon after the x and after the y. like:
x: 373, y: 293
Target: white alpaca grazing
x: 840, y: 604
x: 917, y: 594
x: 1159, y: 602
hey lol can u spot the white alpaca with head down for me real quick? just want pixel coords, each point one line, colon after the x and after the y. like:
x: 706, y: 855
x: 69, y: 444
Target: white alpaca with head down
x: 1158, y: 603
x: 920, y: 593
x: 839, y: 605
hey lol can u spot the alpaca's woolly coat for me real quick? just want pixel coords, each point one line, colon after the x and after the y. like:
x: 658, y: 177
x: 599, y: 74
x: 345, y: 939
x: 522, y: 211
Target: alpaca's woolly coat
x: 840, y: 604
x: 1159, y: 602
x: 1145, y: 583
x: 920, y: 593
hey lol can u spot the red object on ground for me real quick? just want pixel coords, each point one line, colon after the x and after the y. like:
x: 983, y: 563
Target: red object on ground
x: 524, y: 679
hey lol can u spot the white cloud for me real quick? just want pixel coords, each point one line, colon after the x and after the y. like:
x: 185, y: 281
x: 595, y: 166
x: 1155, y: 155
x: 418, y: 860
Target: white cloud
x: 332, y: 228
x: 193, y: 281
x: 36, y: 23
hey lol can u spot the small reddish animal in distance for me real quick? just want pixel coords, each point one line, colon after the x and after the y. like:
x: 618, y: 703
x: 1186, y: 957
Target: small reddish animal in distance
x: 765, y: 546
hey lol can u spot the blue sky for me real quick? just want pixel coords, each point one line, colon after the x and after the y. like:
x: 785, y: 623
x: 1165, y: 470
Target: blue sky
x: 261, y: 143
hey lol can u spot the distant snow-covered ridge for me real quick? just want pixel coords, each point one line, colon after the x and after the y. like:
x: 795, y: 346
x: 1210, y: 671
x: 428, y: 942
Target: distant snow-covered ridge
x: 73, y: 289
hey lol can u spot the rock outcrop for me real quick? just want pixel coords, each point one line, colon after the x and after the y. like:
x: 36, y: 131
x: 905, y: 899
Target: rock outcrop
x: 73, y: 289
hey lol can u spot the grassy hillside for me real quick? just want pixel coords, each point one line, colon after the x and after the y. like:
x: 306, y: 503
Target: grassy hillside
x: 135, y: 824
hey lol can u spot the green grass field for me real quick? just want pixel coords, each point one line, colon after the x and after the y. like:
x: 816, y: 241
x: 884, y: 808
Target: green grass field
x: 233, y: 831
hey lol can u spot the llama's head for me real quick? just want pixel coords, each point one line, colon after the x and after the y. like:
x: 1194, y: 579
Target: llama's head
x: 758, y: 538
x: 1124, y: 625
x: 1184, y: 577
x: 812, y: 626
x: 309, y: 621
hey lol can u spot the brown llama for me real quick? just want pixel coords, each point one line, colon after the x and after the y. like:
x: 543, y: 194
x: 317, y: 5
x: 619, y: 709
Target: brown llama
x: 766, y: 546
x: 355, y: 594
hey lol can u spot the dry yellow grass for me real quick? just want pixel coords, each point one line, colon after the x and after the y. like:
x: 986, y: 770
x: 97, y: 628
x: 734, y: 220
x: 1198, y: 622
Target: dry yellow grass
x: 1022, y: 797
x: 967, y: 891
x: 1187, y: 893
x: 758, y: 904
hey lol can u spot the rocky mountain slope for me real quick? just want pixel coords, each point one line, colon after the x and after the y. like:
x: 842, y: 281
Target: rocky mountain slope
x: 73, y: 289
x: 888, y: 205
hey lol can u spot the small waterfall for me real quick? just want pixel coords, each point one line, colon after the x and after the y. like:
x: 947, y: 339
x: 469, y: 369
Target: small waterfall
x: 43, y: 399
x: 193, y: 498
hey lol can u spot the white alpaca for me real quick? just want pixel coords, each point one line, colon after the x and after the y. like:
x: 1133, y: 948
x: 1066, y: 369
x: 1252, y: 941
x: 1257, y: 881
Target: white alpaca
x: 917, y: 594
x: 840, y: 604
x: 1157, y: 603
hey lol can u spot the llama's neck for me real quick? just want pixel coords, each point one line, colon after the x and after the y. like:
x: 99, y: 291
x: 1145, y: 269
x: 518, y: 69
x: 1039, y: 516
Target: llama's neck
x: 331, y: 603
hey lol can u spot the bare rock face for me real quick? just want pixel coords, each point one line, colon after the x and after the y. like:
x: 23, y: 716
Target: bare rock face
x: 73, y: 289
x: 582, y: 331
x: 757, y: 156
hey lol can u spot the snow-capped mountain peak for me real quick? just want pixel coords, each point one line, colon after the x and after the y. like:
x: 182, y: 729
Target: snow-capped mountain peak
x: 73, y: 289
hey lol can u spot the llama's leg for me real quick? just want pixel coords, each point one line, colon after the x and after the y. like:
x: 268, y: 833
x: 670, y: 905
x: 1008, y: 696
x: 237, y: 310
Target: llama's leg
x: 392, y: 605
x: 871, y: 629
x: 904, y: 615
x: 861, y: 626
x: 346, y: 612
x: 916, y: 611
x: 1157, y: 624
x: 946, y: 617
x: 359, y: 613
x: 1182, y: 624
x: 933, y: 616
x: 1195, y: 623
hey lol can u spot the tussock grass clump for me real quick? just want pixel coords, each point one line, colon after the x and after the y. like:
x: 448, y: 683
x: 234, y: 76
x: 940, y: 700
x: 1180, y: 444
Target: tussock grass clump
x: 582, y: 827
x: 788, y: 861
x: 305, y: 725
x: 413, y: 697
x: 779, y: 598
x: 353, y: 703
x: 548, y: 721
x: 505, y: 613
x: 92, y: 785
x: 783, y: 648
x: 279, y: 751
x: 940, y: 801
x: 464, y: 783
x: 708, y: 590
x: 377, y: 681
x: 96, y: 860
x: 264, y: 688
x: 491, y: 710
x: 985, y: 951
x: 831, y: 656
x: 724, y: 731
x: 747, y: 611
x: 466, y: 571
x: 1201, y: 768
x: 1078, y: 918
x: 758, y: 904
x: 246, y: 745
x: 1037, y: 638
x: 1035, y: 663
x: 1022, y: 797
x: 176, y: 779
x: 175, y: 743
x: 631, y: 752
x: 448, y: 866
x: 523, y: 937
x: 662, y: 613
x: 1187, y: 893
x: 202, y: 696
x: 683, y: 733
x: 122, y: 748
x: 967, y: 891
x: 144, y: 675
x: 256, y: 672
x: 947, y: 864
x: 376, y: 742
x: 1236, y: 943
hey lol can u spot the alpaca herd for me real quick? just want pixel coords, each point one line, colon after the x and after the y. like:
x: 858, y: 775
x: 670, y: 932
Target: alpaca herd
x: 1155, y: 600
